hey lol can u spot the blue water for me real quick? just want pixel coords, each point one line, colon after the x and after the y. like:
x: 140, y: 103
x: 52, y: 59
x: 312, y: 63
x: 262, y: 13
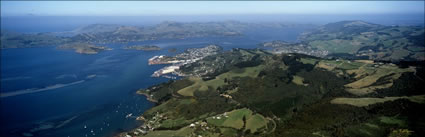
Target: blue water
x: 94, y: 103
x: 101, y: 103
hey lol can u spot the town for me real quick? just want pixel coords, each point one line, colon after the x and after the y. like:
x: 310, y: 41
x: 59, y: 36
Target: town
x: 189, y: 56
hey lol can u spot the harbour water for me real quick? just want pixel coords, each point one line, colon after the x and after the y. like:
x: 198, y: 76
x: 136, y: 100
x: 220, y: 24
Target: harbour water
x: 49, y: 92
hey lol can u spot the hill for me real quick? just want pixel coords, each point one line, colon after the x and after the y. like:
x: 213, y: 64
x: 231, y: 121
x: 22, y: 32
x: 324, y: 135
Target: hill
x: 254, y: 93
x: 371, y: 41
x: 20, y: 40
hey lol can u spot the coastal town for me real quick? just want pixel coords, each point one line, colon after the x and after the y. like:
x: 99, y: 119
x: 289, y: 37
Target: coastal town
x: 188, y: 56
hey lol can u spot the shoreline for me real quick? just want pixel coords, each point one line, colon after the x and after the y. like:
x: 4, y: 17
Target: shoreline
x: 142, y: 128
x: 148, y: 97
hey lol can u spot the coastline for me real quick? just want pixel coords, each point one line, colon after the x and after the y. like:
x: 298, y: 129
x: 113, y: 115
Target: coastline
x: 142, y: 129
x: 148, y: 97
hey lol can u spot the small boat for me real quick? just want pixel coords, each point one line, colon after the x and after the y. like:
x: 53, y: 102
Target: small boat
x: 129, y: 115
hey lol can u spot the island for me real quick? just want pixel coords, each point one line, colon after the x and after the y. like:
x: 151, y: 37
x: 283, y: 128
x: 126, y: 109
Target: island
x: 143, y: 47
x: 84, y: 48
x: 253, y: 92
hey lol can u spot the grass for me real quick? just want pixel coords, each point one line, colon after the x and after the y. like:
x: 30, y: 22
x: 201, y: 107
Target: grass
x: 369, y: 80
x: 180, y: 121
x: 162, y: 106
x: 392, y: 121
x: 350, y: 65
x: 362, y: 102
x: 308, y: 61
x: 419, y: 55
x: 298, y: 80
x: 366, y: 129
x: 328, y: 64
x: 365, y: 61
x: 188, y: 91
x: 235, y: 120
x: 400, y: 133
x: 183, y: 132
x: 255, y: 122
x: 368, y: 76
x: 399, y: 53
x: 228, y: 132
x: 169, y: 123
x: 201, y: 85
x: 416, y: 48
x: 341, y: 64
x: 187, y: 101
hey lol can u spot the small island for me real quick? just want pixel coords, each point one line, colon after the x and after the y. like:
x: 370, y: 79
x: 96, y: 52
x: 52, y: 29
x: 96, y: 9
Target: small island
x: 84, y: 48
x: 143, y: 47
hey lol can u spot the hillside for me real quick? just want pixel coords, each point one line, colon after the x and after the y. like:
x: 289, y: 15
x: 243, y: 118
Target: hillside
x: 21, y: 40
x: 164, y: 30
x: 370, y: 41
x: 255, y: 93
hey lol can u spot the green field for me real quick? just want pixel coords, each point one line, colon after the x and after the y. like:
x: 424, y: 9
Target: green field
x: 362, y: 102
x: 201, y: 85
x: 234, y: 119
x: 183, y: 132
x: 255, y: 122
x: 298, y: 80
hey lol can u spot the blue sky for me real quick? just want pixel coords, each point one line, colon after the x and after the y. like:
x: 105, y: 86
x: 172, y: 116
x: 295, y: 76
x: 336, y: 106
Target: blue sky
x: 151, y: 8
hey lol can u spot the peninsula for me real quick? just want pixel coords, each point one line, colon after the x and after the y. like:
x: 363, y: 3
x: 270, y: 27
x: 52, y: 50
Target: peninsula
x: 84, y: 48
x: 143, y: 47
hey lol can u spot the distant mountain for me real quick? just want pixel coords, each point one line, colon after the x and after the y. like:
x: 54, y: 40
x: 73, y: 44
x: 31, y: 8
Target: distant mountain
x: 349, y: 27
x: 111, y: 33
x: 164, y: 30
x: 97, y: 28
x: 20, y: 40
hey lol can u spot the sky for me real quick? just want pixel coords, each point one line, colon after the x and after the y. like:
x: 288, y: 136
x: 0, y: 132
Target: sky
x: 158, y: 8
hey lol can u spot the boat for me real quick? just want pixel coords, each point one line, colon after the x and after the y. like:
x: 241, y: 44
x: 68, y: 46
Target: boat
x: 129, y: 115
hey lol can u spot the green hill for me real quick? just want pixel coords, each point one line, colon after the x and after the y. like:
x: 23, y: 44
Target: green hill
x: 370, y: 41
x: 254, y: 93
